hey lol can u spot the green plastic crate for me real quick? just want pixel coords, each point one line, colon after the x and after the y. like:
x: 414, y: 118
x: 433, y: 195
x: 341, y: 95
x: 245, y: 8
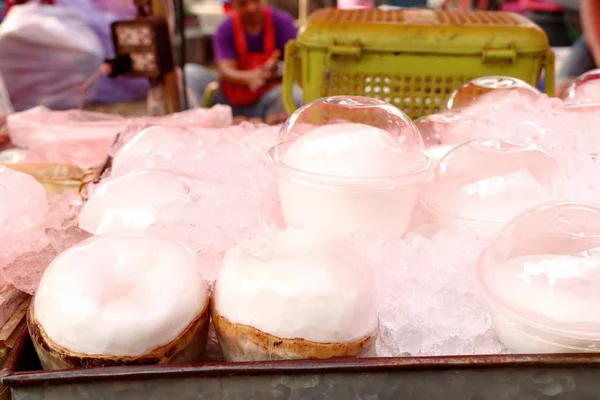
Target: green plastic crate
x: 412, y: 58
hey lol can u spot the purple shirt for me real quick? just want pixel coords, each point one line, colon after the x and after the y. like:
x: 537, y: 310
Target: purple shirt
x: 224, y: 44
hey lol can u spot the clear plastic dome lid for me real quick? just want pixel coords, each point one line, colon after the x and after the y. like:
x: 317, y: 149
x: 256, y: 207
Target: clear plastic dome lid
x: 356, y: 142
x: 490, y: 181
x: 585, y: 90
x: 491, y: 89
x: 589, y: 109
x: 452, y: 128
x: 544, y: 269
x: 446, y: 128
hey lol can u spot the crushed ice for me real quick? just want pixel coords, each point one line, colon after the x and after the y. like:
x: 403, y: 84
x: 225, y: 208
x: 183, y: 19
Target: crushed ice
x: 427, y: 300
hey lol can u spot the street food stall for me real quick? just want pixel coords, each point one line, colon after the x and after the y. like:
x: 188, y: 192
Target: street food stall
x: 425, y: 226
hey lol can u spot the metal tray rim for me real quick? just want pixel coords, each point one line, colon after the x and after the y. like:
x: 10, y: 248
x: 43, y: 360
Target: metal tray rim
x: 13, y: 378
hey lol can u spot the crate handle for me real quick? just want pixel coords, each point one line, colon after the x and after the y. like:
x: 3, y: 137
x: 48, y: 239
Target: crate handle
x: 342, y: 50
x: 289, y: 64
x: 550, y: 73
x: 500, y: 54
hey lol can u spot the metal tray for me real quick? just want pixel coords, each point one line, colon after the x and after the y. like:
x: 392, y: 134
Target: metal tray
x: 501, y: 377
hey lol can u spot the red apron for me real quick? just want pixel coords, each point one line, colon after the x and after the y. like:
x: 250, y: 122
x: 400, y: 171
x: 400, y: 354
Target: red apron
x: 239, y: 95
x: 10, y: 3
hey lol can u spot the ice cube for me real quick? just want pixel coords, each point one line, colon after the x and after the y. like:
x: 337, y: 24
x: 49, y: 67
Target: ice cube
x: 23, y: 202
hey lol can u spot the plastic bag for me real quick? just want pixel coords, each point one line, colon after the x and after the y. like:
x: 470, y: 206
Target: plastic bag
x: 86, y: 153
x: 75, y: 136
x: 84, y: 137
x: 40, y: 125
x: 100, y: 15
x: 48, y: 52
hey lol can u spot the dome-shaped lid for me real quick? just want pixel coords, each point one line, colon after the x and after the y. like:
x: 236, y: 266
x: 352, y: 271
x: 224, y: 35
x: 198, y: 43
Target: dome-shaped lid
x: 544, y: 269
x: 350, y: 141
x: 490, y: 181
x: 490, y: 89
x: 585, y: 90
x: 446, y: 128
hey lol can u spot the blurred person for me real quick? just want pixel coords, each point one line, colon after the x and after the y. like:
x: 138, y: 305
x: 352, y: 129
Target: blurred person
x: 248, y: 48
x: 585, y: 52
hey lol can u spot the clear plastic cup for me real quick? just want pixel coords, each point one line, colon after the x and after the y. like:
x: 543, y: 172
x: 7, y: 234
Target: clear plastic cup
x: 483, y: 184
x: 490, y: 89
x: 584, y: 90
x: 541, y: 279
x: 349, y: 164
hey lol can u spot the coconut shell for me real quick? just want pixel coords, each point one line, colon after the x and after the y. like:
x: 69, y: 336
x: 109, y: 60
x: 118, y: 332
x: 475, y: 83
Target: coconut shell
x: 188, y: 347
x: 245, y: 343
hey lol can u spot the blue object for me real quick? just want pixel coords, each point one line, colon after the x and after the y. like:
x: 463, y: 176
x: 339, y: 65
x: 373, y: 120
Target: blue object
x: 579, y: 61
x: 407, y: 3
x: 541, y: 84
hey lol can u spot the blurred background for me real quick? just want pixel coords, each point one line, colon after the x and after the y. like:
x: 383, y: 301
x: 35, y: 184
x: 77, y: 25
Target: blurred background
x: 560, y: 19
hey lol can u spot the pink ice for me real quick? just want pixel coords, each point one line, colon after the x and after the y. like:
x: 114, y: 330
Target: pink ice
x: 26, y: 211
x: 427, y: 300
x: 84, y: 138
x: 234, y: 194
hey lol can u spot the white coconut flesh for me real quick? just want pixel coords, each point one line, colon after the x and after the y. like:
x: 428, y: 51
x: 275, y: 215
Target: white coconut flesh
x: 298, y: 284
x: 119, y: 296
x: 128, y: 204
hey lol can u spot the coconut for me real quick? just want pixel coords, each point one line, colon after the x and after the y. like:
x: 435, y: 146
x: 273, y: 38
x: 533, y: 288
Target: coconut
x: 120, y: 300
x: 295, y: 294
